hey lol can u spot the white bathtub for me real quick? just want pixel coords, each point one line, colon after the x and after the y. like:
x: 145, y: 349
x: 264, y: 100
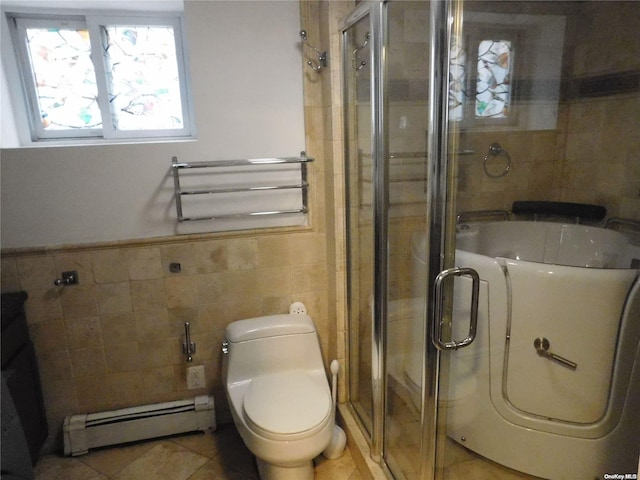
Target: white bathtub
x: 577, y: 287
x: 547, y: 242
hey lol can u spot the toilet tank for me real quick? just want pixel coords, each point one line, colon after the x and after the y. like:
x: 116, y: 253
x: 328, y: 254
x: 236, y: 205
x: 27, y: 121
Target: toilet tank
x: 271, y: 344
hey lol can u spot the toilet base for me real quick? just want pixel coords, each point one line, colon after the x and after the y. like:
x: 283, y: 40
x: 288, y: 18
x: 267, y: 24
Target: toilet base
x: 268, y: 471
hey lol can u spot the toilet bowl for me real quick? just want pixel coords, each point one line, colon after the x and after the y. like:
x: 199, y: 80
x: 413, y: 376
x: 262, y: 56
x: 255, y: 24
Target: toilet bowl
x: 278, y: 393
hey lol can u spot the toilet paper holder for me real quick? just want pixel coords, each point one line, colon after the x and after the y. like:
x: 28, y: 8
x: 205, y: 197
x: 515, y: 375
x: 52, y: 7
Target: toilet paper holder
x: 188, y: 347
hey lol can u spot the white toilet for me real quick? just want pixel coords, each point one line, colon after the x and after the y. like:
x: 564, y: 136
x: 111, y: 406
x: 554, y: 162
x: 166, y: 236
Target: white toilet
x: 278, y: 393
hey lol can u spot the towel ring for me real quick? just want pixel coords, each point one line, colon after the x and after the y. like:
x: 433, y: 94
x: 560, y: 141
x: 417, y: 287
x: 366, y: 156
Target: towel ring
x: 494, y: 150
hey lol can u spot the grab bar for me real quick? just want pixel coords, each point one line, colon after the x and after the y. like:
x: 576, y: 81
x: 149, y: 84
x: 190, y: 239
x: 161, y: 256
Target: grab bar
x: 476, y: 215
x: 303, y: 185
x: 395, y: 155
x: 624, y: 224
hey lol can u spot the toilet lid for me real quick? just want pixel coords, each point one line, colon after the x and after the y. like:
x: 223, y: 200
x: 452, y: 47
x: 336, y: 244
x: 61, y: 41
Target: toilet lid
x: 286, y: 403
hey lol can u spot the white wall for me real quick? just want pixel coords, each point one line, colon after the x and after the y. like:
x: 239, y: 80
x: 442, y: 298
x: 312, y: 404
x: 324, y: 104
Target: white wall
x: 247, y: 89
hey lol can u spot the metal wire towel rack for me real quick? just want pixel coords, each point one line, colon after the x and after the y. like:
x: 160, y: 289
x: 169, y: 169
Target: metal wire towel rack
x: 303, y: 185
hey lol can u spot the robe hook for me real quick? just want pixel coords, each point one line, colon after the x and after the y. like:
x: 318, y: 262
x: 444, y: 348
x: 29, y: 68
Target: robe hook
x: 359, y: 65
x: 322, y: 56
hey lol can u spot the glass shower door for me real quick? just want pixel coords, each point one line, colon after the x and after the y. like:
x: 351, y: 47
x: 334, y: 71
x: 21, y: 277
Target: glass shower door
x: 360, y: 211
x: 544, y: 82
x: 407, y: 96
x: 399, y: 219
x: 453, y: 107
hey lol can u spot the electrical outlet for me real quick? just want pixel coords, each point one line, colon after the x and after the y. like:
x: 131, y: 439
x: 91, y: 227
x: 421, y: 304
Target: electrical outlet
x: 195, y: 377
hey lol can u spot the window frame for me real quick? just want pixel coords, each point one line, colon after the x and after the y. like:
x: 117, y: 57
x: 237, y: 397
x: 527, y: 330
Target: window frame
x: 94, y: 21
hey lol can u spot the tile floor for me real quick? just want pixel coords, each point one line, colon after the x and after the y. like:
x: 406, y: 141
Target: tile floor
x: 210, y: 456
x: 403, y: 444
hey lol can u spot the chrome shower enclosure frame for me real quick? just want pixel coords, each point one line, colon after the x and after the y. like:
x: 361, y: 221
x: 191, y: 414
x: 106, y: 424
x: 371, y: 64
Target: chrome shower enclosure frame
x: 379, y: 151
x: 440, y: 211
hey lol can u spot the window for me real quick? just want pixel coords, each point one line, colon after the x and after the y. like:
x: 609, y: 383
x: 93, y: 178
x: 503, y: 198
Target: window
x: 493, y: 87
x: 457, y: 79
x: 505, y: 71
x: 492, y: 82
x: 96, y: 76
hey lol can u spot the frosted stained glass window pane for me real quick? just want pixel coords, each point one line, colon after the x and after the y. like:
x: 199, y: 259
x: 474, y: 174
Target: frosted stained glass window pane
x: 142, y: 73
x: 494, y: 76
x: 65, y: 78
x: 457, y: 79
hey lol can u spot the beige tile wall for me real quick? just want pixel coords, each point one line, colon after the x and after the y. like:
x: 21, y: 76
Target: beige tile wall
x: 592, y: 156
x: 601, y: 162
x: 114, y: 340
x: 324, y: 129
x: 602, y: 135
x: 535, y: 173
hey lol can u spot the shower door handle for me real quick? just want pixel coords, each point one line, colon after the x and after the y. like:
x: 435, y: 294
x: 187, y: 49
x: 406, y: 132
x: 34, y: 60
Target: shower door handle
x: 439, y: 292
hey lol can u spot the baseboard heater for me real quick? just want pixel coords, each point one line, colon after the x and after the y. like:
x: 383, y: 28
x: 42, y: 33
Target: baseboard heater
x: 91, y: 430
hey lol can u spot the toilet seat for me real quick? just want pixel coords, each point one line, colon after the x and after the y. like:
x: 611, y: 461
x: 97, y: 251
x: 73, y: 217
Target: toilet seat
x: 287, y: 406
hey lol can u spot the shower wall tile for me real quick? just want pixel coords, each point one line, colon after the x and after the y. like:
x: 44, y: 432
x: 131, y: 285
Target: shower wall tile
x: 534, y: 172
x: 598, y: 164
x: 580, y: 161
x: 585, y: 116
x: 543, y: 181
x: 597, y: 50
